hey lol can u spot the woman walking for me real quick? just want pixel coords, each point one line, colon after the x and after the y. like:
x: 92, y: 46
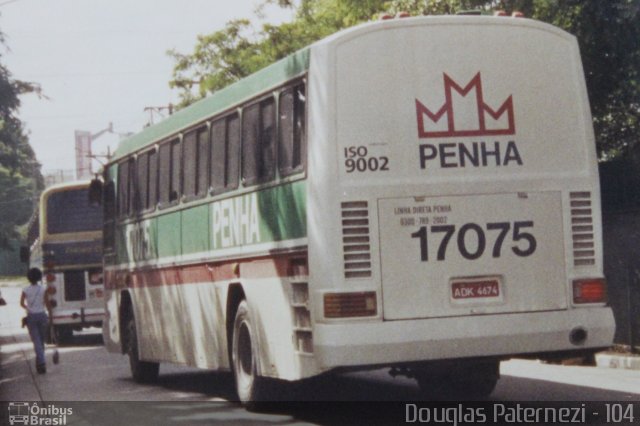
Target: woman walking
x: 34, y: 300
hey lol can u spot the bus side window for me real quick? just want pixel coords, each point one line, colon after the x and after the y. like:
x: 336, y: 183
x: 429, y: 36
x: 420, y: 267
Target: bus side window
x: 169, y: 173
x: 234, y: 135
x: 202, y: 176
x: 123, y: 188
x: 142, y: 183
x: 218, y: 155
x: 258, y: 142
x: 152, y: 198
x: 109, y: 240
x: 292, y: 130
x: 132, y: 189
x: 176, y: 164
x: 190, y: 164
x: 225, y: 144
x: 196, y: 157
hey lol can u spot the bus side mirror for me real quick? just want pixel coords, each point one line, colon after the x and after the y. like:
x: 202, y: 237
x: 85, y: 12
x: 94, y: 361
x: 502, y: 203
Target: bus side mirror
x: 95, y: 192
x: 24, y: 254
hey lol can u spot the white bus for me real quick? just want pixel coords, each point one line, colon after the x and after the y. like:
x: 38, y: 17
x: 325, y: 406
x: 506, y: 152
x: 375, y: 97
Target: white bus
x: 65, y: 242
x: 416, y: 193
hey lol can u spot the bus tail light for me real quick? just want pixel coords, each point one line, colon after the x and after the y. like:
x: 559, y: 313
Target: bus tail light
x: 347, y: 305
x: 593, y: 290
x: 51, y: 277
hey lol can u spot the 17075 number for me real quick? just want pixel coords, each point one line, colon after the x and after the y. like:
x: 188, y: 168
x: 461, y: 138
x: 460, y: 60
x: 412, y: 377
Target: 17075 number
x: 525, y: 242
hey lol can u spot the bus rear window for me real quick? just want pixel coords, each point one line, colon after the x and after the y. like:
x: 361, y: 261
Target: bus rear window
x: 69, y: 211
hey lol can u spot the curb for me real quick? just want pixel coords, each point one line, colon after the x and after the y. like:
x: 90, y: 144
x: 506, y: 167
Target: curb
x: 626, y: 362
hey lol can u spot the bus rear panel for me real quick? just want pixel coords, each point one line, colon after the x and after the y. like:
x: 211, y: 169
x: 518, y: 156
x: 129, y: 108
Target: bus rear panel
x: 69, y: 251
x: 458, y: 178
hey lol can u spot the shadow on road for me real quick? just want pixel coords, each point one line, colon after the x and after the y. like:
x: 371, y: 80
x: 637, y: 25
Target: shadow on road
x: 83, y: 339
x: 349, y: 399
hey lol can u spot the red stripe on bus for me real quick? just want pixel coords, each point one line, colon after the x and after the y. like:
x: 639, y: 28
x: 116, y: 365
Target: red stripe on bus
x: 263, y: 267
x: 77, y: 316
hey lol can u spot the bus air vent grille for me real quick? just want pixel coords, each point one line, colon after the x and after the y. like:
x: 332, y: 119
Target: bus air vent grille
x: 356, y: 242
x: 582, y: 229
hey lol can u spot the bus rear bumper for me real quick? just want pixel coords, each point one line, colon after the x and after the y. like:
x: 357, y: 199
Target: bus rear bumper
x: 80, y: 317
x: 398, y: 342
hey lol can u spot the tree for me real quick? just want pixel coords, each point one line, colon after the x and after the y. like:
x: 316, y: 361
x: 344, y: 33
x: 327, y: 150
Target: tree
x: 20, y: 177
x: 607, y: 31
x: 227, y: 55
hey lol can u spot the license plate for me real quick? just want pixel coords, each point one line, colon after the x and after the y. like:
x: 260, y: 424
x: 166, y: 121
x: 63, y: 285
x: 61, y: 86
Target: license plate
x: 477, y: 289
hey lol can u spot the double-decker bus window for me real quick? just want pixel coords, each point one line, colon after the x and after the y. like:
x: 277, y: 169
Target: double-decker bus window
x: 190, y: 163
x: 142, y: 183
x: 202, y: 177
x: 258, y: 135
x: 152, y: 198
x: 292, y: 130
x: 123, y: 188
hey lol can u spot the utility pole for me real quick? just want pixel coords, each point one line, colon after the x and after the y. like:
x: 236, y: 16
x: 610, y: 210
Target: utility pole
x: 159, y: 110
x: 84, y: 155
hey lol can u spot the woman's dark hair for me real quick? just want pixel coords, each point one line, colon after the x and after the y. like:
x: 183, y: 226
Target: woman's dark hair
x: 34, y: 275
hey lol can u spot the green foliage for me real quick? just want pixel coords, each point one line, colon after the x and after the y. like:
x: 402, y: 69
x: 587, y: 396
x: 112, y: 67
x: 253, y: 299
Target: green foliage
x: 20, y: 177
x: 608, y: 33
x: 16, y: 204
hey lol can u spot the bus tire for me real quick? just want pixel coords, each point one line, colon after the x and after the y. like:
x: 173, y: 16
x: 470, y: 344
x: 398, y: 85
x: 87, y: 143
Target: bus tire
x: 250, y: 387
x: 141, y: 371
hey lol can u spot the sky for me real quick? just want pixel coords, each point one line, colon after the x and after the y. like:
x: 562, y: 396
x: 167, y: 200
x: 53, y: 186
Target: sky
x: 103, y: 61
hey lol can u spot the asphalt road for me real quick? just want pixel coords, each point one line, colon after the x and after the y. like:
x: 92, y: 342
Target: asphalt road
x: 96, y: 383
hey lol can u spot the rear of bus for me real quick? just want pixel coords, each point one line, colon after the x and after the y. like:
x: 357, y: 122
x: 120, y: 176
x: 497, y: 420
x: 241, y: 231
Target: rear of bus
x: 452, y: 163
x: 71, y: 238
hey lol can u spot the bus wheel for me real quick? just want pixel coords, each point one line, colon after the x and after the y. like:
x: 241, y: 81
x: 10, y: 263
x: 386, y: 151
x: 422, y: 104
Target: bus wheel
x: 472, y: 383
x: 249, y: 385
x: 141, y: 371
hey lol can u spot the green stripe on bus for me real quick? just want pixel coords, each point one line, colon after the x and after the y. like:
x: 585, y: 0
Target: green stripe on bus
x: 268, y: 216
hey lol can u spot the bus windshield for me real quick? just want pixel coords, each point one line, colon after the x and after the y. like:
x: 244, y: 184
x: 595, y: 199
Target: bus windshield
x: 69, y: 211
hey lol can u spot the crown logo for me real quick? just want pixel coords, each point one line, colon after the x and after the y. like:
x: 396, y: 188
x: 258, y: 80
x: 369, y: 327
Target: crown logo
x: 475, y: 118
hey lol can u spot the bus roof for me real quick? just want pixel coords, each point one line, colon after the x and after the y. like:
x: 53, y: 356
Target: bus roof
x: 243, y: 90
x: 67, y: 185
x: 286, y: 69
